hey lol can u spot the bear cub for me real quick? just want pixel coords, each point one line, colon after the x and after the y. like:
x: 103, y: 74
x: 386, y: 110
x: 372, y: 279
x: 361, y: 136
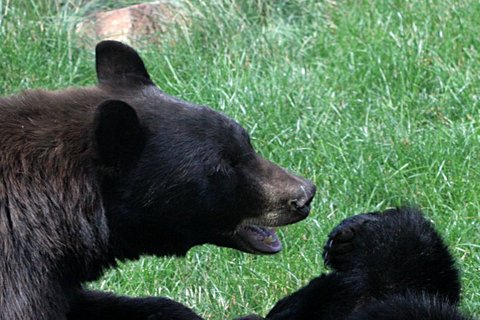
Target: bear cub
x: 389, y: 265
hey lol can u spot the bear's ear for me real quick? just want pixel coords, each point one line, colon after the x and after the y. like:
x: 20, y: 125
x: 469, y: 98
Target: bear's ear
x: 119, y: 138
x: 117, y: 63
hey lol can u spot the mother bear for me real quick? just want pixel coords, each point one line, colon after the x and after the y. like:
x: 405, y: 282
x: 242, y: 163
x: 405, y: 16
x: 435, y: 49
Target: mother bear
x: 118, y: 170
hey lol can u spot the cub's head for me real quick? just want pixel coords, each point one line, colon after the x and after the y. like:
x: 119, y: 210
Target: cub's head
x: 176, y: 175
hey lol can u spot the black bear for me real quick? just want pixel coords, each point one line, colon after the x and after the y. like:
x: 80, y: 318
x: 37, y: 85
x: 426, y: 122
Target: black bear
x: 118, y: 170
x: 388, y: 265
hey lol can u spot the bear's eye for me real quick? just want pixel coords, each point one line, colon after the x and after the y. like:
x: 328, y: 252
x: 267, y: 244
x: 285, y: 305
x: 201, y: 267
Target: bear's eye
x: 222, y: 168
x: 241, y: 159
x: 235, y: 162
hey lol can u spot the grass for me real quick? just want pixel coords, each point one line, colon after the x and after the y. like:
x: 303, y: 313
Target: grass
x: 377, y: 101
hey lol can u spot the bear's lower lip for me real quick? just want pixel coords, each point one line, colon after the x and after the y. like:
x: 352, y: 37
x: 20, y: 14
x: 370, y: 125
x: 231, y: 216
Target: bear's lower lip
x: 258, y: 239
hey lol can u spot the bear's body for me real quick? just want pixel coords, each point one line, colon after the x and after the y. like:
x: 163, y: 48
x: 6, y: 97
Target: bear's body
x: 91, y: 175
x: 391, y: 265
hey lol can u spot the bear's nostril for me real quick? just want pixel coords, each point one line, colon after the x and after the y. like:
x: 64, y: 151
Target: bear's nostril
x: 302, y: 203
x: 301, y: 206
x: 295, y: 204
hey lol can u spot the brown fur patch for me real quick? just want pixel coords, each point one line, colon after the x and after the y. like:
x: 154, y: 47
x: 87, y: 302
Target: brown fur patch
x: 50, y: 205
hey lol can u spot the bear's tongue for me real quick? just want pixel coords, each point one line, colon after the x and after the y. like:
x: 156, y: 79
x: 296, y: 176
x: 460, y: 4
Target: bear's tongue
x: 261, y: 239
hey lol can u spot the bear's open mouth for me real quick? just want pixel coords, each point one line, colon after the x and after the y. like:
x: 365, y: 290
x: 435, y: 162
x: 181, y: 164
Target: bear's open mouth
x: 258, y: 239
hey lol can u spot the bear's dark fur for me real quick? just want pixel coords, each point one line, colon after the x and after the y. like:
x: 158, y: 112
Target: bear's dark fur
x: 391, y: 265
x: 121, y: 169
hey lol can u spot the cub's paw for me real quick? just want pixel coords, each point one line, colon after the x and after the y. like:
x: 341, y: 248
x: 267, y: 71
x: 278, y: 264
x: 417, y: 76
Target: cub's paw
x: 340, y: 244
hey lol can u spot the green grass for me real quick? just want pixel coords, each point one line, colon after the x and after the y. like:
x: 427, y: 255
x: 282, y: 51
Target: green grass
x: 376, y: 101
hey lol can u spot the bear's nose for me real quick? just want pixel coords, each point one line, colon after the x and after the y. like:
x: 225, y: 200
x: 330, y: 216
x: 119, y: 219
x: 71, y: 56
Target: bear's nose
x: 305, y: 194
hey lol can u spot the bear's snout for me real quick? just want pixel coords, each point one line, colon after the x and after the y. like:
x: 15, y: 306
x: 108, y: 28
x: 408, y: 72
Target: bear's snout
x: 287, y: 197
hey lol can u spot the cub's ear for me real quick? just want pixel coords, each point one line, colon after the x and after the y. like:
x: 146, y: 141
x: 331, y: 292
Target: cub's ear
x: 119, y: 63
x: 119, y: 138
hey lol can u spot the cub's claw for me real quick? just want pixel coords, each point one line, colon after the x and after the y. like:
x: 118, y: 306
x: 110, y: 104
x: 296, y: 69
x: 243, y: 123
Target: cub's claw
x: 340, y: 243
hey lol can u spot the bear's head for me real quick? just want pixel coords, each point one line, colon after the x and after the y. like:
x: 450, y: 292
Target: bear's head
x: 176, y: 175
